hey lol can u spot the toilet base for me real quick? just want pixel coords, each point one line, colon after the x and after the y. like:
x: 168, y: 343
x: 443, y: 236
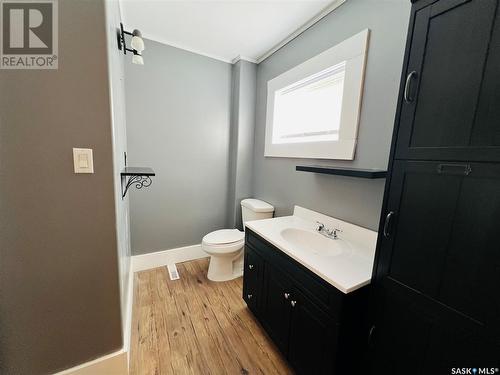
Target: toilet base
x: 224, y: 268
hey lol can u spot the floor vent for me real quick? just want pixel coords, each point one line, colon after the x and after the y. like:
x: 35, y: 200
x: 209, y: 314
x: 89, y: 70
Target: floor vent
x: 172, y: 272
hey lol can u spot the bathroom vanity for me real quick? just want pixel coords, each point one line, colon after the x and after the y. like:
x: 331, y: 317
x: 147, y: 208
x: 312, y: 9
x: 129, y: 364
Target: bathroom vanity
x: 307, y: 289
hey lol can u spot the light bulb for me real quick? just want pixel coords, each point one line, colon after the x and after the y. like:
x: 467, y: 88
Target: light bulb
x: 137, y: 59
x: 137, y: 43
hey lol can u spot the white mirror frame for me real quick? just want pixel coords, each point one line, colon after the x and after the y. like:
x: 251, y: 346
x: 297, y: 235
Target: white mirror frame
x: 353, y: 51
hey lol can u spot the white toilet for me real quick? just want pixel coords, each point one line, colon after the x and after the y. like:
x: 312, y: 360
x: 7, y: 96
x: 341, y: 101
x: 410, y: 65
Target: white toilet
x: 225, y: 246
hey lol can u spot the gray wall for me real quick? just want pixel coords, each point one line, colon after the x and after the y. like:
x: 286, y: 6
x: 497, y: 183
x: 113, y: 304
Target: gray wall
x: 178, y: 121
x: 242, y: 138
x: 355, y: 200
x: 59, y: 294
x: 119, y: 133
x: 200, y: 124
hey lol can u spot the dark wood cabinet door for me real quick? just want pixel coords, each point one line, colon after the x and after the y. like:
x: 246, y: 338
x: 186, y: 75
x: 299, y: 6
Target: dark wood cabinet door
x: 399, y: 337
x: 439, y: 263
x: 419, y: 219
x: 252, y: 280
x: 275, y: 310
x: 442, y: 238
x: 312, y: 344
x: 414, y: 335
x: 450, y: 105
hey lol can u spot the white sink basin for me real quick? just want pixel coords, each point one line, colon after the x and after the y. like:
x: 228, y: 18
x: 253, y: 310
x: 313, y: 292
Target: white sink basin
x: 314, y: 242
x: 346, y: 263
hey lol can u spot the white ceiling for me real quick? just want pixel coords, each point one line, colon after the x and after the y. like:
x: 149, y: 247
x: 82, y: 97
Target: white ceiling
x: 223, y: 29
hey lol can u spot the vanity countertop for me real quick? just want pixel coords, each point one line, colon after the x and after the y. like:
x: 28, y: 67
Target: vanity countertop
x: 346, y: 262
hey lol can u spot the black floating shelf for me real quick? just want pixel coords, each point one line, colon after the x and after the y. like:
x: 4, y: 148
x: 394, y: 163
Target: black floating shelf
x: 340, y: 171
x: 140, y: 176
x: 138, y: 171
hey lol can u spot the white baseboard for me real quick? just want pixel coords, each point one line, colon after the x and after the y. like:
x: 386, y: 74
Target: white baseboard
x: 111, y: 364
x: 162, y: 258
x: 127, y: 329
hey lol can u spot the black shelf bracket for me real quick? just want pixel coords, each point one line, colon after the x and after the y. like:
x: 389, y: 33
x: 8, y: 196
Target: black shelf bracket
x: 138, y: 176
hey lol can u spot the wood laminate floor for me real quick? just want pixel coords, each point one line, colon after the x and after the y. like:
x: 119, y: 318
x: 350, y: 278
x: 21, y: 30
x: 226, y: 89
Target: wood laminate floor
x: 196, y: 326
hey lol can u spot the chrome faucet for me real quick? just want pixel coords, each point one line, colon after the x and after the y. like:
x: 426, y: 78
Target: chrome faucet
x: 320, y: 227
x: 327, y: 232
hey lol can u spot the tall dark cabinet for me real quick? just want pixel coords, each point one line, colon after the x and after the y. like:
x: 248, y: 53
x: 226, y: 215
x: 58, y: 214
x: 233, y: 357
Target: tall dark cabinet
x: 436, y: 300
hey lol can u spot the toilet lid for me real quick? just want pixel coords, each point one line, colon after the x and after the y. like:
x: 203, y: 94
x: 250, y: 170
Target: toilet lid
x: 224, y: 236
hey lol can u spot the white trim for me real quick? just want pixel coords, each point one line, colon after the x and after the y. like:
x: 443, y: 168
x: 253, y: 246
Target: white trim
x: 318, y: 17
x: 245, y: 58
x: 127, y: 332
x: 111, y: 364
x: 162, y: 258
x: 126, y: 316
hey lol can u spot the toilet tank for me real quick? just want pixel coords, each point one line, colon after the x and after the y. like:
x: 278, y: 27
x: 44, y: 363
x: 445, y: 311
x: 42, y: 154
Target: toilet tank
x: 255, y: 209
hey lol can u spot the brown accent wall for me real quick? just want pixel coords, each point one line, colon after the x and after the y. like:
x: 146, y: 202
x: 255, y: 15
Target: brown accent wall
x: 59, y: 288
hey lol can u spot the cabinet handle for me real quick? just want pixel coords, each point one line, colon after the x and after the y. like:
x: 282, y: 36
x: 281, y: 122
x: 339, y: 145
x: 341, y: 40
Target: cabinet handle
x: 406, y: 95
x: 457, y: 169
x: 387, y: 224
x: 249, y: 296
x: 250, y: 266
x: 287, y: 295
x: 293, y: 303
x: 370, y: 334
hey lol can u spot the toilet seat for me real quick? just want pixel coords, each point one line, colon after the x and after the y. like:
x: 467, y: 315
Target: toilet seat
x: 224, y: 236
x: 223, y: 241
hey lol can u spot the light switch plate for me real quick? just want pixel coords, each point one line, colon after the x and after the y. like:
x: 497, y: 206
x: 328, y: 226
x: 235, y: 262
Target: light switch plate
x: 83, y: 160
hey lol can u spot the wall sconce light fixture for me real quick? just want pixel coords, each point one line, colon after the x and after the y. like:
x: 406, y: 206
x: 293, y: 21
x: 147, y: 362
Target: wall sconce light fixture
x: 136, y: 43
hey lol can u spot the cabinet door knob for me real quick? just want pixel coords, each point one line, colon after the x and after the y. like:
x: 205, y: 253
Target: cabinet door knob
x: 250, y: 266
x: 293, y: 303
x: 249, y: 296
x: 287, y: 295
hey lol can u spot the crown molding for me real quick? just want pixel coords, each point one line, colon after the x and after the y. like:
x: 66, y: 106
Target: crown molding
x: 318, y: 17
x: 244, y: 58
